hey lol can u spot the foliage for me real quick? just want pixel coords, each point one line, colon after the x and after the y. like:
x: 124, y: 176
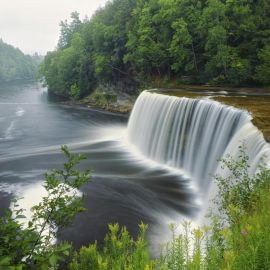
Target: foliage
x: 120, y: 251
x: 179, y: 252
x: 238, y: 234
x: 75, y: 91
x: 67, y: 30
x: 263, y: 69
x: 103, y: 97
x: 238, y: 190
x: 31, y: 245
x: 14, y: 65
x: 126, y: 40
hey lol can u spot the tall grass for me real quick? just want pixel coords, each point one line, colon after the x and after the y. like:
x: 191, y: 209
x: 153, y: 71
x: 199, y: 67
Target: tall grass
x: 120, y: 251
x: 238, y: 236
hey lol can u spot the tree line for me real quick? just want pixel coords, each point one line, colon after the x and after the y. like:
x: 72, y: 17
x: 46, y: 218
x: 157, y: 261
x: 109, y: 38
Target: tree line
x: 15, y: 65
x: 130, y: 41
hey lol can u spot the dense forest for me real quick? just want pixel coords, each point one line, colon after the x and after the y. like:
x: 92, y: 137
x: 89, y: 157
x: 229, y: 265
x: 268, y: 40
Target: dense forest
x: 190, y: 41
x: 14, y: 65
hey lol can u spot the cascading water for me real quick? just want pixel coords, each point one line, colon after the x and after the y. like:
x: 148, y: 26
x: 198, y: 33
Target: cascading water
x: 193, y: 134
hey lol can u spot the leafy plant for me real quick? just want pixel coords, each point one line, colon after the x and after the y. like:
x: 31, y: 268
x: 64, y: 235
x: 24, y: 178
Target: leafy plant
x: 31, y: 245
x: 103, y: 98
x: 120, y: 251
x: 75, y: 91
x: 238, y: 234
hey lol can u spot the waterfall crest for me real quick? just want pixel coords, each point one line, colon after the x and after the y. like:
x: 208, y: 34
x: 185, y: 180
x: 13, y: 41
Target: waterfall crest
x: 192, y: 134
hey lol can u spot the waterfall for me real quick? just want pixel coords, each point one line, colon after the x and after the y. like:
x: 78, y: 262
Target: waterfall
x: 193, y: 134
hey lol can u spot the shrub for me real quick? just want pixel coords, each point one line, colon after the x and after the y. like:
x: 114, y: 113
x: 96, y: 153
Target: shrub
x: 30, y: 246
x: 103, y: 98
x: 238, y: 236
x: 75, y: 91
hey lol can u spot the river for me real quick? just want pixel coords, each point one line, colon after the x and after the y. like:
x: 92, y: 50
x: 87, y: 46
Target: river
x: 125, y: 187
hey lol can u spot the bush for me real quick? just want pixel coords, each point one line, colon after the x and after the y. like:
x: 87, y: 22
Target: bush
x: 30, y: 246
x: 103, y: 98
x: 75, y: 91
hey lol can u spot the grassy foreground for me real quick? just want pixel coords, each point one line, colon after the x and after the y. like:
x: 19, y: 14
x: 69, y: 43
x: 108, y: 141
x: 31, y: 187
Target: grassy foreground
x: 238, y: 236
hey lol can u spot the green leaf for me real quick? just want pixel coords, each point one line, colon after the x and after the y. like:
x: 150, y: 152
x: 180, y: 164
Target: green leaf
x: 21, y: 216
x: 5, y: 260
x: 30, y: 224
x: 66, y: 252
x: 64, y: 246
x: 53, y: 259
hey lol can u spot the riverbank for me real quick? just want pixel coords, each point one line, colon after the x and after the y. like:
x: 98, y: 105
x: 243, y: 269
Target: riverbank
x: 120, y: 103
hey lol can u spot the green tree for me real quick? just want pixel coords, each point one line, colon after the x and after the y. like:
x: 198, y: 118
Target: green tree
x: 147, y: 40
x: 132, y: 42
x: 14, y: 65
x: 180, y: 48
x: 68, y: 29
x: 263, y: 69
x: 216, y: 47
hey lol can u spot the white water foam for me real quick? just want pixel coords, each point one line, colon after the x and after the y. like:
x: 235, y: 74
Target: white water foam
x: 8, y: 134
x: 11, y: 132
x: 20, y: 112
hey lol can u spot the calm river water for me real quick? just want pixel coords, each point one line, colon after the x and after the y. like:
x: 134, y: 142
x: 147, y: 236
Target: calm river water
x: 125, y: 188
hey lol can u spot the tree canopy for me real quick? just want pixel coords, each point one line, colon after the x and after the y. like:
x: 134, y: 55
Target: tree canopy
x: 128, y: 41
x: 14, y: 65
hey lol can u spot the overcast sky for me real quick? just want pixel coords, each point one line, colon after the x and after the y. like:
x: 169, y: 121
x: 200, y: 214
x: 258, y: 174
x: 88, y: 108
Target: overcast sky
x: 33, y: 25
